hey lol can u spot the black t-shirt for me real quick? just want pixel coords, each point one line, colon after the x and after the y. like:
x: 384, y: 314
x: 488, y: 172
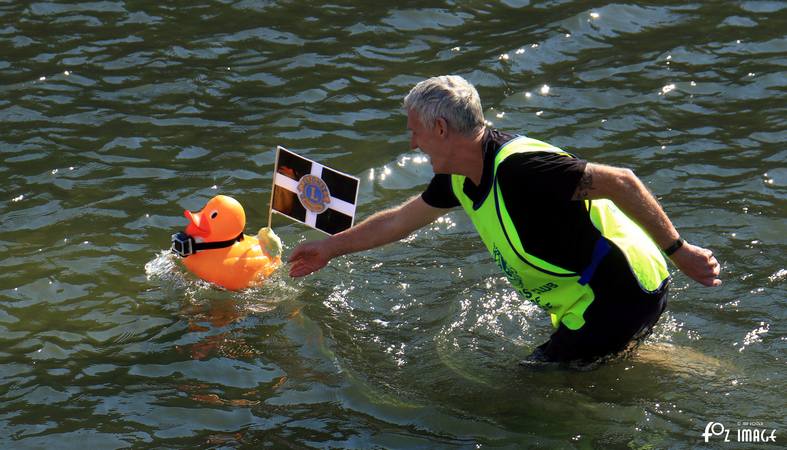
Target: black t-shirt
x: 537, y: 188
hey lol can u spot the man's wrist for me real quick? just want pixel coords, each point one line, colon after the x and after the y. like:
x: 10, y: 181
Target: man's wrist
x: 674, y: 247
x: 336, y: 246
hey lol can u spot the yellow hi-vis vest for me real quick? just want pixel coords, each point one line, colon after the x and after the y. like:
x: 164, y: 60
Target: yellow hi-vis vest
x: 563, y: 293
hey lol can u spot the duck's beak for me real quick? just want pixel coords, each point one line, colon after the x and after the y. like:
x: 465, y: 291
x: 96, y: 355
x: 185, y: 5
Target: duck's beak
x: 197, y: 226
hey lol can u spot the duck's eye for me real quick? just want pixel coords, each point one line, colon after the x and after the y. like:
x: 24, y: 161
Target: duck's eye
x: 214, y: 214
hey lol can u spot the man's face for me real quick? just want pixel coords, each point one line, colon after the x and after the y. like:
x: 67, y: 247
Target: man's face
x: 428, y: 140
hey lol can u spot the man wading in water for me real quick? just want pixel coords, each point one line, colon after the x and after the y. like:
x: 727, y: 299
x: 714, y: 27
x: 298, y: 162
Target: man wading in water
x: 582, y: 240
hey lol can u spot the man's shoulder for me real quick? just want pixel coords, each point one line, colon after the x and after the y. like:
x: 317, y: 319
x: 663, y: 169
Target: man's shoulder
x: 531, y: 160
x: 541, y: 176
x: 439, y: 193
x: 541, y: 160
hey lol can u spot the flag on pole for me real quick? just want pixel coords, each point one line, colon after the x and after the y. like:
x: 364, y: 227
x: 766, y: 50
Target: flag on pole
x: 313, y: 194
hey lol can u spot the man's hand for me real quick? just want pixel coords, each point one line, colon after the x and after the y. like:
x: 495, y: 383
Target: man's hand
x: 697, y: 263
x: 309, y: 257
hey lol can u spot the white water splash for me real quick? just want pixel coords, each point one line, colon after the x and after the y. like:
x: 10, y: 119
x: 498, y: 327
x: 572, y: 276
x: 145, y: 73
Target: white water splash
x: 778, y: 276
x: 754, y: 335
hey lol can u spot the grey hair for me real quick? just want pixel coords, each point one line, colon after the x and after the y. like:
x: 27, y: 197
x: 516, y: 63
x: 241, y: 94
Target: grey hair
x: 450, y: 97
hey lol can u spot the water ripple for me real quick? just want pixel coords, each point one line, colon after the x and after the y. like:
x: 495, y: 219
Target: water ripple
x: 118, y: 115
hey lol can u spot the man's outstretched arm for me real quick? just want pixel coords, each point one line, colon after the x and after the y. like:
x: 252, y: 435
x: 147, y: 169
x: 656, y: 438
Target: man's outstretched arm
x: 632, y: 196
x: 377, y: 230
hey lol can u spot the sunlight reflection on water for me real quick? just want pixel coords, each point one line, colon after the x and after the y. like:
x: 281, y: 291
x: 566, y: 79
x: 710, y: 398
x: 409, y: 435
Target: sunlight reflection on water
x: 118, y: 114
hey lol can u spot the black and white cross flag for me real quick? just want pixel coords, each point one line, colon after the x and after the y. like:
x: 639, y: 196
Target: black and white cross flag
x: 313, y: 194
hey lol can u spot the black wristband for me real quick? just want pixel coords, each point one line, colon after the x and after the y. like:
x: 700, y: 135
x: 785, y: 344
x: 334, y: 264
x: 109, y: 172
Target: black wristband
x: 674, y: 247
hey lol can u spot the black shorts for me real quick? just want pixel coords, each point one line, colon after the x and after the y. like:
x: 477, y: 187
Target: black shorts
x: 621, y: 313
x: 610, y: 327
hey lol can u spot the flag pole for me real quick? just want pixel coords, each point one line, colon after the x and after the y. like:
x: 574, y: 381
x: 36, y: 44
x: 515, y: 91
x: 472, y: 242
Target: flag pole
x: 273, y: 186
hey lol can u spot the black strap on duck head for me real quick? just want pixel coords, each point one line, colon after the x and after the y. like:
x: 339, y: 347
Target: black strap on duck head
x: 184, y: 245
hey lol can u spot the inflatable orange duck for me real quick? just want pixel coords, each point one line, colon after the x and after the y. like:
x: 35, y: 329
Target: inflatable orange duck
x: 215, y: 249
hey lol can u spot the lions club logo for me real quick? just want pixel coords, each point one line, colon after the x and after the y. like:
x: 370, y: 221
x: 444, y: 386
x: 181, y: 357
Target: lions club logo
x: 509, y: 271
x: 313, y: 194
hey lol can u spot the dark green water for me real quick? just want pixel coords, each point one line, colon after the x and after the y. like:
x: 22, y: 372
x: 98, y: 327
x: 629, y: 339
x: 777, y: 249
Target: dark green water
x: 117, y: 115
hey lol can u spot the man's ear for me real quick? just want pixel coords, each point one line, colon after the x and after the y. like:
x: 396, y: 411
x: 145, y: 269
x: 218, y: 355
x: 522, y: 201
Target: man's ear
x: 441, y: 126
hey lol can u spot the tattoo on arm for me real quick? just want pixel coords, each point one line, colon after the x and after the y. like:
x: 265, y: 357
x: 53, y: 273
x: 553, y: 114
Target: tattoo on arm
x: 584, y: 186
